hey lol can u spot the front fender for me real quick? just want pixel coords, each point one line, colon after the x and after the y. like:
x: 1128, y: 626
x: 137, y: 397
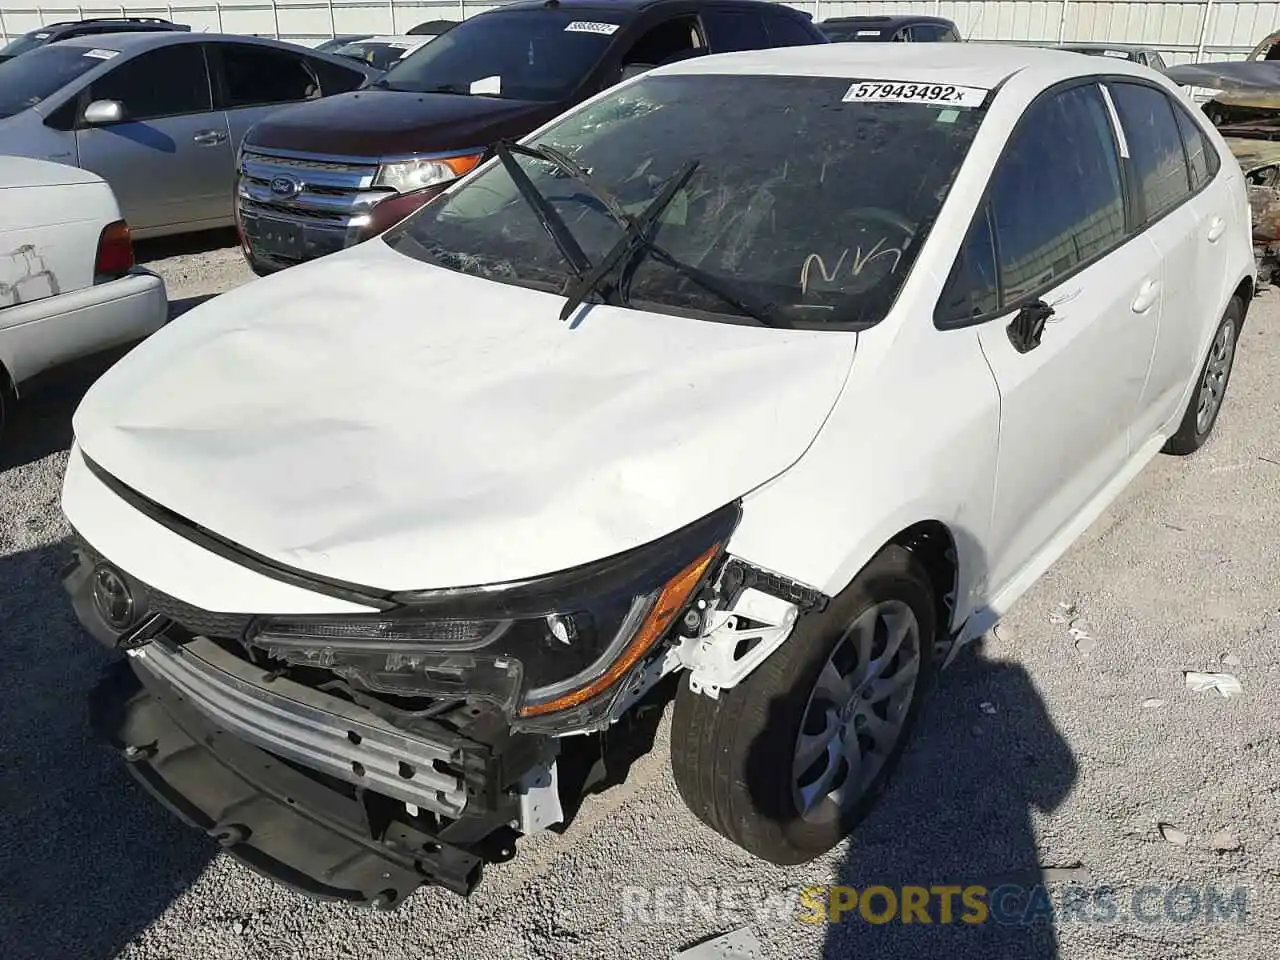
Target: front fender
x: 912, y: 438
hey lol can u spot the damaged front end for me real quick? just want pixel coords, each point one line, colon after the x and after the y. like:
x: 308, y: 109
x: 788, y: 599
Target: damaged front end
x: 356, y: 757
x: 1242, y: 99
x: 1260, y: 162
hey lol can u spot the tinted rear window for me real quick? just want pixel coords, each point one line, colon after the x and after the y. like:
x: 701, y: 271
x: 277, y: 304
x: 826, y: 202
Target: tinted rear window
x: 37, y: 75
x: 813, y: 205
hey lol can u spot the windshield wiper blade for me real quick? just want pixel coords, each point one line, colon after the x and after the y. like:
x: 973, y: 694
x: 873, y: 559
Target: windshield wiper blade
x: 744, y: 303
x: 550, y: 220
x: 566, y: 164
x: 635, y: 236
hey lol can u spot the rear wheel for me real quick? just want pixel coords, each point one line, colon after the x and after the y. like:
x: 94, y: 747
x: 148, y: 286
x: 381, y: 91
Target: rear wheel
x: 788, y: 762
x: 1211, y: 386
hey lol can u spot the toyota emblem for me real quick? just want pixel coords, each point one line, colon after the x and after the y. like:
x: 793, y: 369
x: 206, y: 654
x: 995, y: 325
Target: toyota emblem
x: 112, y: 597
x: 285, y: 188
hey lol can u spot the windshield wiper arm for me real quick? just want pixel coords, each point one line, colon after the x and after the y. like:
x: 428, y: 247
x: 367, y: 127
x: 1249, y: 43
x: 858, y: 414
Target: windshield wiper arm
x: 744, y: 303
x: 566, y: 164
x: 550, y: 220
x: 635, y: 237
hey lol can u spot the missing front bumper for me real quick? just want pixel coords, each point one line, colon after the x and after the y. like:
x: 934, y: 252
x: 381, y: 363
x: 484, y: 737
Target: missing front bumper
x: 314, y: 833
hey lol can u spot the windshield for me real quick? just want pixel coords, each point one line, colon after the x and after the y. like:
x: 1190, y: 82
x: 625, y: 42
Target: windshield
x: 521, y: 55
x: 854, y: 32
x: 811, y: 205
x: 23, y: 44
x: 34, y: 76
x: 382, y: 54
x: 1104, y: 52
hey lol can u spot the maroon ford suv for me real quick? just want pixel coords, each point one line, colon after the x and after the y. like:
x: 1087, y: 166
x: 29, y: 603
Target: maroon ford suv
x: 324, y: 175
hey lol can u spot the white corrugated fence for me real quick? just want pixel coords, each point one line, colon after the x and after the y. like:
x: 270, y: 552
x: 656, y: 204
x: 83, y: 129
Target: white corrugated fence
x: 1183, y: 30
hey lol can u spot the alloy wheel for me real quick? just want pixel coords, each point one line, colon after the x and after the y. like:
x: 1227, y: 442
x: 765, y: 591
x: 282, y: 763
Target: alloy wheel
x: 857, y: 710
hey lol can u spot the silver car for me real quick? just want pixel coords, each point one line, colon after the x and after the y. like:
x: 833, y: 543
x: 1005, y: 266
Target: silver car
x: 159, y: 116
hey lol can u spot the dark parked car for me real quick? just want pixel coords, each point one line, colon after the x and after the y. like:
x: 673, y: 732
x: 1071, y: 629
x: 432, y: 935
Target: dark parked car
x: 322, y: 176
x: 909, y: 29
x: 67, y: 29
x: 330, y: 46
x: 1134, y: 53
x: 432, y: 27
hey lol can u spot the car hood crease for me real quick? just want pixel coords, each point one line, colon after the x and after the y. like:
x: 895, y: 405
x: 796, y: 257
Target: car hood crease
x: 378, y: 420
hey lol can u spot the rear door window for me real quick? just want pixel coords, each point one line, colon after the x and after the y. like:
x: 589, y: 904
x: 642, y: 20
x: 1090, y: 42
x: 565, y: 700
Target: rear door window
x: 1202, y: 158
x: 1155, y: 146
x: 729, y: 30
x: 785, y: 31
x: 334, y: 78
x: 1055, y: 195
x: 253, y: 76
x: 169, y: 82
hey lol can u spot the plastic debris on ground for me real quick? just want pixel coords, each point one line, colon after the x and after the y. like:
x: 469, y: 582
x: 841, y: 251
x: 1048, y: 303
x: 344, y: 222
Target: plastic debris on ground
x: 740, y: 944
x: 1151, y: 703
x: 987, y: 707
x: 1063, y: 613
x: 1225, y: 683
x: 1172, y: 834
x: 1224, y: 841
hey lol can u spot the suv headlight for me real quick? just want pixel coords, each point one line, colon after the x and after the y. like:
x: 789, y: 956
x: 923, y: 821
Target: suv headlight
x: 535, y: 648
x: 409, y: 175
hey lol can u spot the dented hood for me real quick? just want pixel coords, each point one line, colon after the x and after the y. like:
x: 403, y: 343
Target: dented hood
x: 378, y: 420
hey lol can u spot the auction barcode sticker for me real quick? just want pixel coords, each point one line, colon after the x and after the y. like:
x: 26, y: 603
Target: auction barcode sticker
x: 931, y: 94
x: 97, y: 54
x: 592, y: 26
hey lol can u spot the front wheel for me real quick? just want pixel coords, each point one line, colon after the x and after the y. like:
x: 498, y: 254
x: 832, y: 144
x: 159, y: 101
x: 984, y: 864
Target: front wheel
x: 1211, y: 385
x: 788, y: 762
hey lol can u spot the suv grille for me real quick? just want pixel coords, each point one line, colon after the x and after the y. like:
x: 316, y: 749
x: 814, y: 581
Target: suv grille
x: 328, y: 191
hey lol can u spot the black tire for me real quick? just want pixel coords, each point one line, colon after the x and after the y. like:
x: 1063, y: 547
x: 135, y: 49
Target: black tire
x: 6, y: 400
x: 1191, y: 434
x: 733, y: 756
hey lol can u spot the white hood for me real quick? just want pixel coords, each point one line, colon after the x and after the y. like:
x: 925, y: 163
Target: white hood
x: 374, y: 419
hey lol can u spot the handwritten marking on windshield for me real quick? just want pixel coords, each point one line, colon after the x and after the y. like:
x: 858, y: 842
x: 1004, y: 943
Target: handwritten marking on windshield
x: 860, y: 263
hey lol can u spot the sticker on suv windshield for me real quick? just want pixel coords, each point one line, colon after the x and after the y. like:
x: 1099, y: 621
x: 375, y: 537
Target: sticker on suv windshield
x: 932, y: 94
x: 102, y: 54
x: 592, y: 26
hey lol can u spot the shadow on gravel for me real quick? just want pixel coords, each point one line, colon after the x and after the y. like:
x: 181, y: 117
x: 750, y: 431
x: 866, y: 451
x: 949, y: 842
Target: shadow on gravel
x: 159, y: 248
x: 958, y: 814
x: 40, y: 422
x: 87, y: 859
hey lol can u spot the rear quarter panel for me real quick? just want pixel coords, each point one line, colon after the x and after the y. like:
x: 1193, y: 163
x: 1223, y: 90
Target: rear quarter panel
x: 48, y: 245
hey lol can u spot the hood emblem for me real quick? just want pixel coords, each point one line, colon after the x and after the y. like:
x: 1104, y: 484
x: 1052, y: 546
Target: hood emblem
x: 286, y: 188
x: 112, y: 597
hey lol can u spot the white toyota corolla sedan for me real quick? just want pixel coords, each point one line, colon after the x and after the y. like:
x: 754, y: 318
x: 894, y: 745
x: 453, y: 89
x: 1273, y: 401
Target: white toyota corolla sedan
x: 789, y: 370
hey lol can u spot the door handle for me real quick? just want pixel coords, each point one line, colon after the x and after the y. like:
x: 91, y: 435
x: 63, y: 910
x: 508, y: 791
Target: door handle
x: 209, y: 138
x: 1148, y: 294
x: 1216, y: 226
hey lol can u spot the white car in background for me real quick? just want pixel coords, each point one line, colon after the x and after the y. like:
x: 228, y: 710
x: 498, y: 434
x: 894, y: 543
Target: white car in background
x: 68, y: 285
x: 791, y: 370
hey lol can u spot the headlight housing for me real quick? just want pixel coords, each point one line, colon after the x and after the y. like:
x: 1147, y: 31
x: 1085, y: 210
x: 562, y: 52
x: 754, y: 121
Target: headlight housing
x: 408, y: 175
x: 555, y: 647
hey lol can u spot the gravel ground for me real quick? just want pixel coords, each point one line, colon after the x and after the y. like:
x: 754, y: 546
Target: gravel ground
x: 1040, y: 750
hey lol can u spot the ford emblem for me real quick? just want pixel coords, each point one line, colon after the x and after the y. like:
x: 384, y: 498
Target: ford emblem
x: 285, y: 187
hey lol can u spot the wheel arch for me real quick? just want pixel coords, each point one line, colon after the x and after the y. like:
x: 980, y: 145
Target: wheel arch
x: 932, y: 543
x: 1245, y: 290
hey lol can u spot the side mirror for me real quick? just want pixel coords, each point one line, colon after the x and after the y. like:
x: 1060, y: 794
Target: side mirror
x: 101, y: 112
x: 1027, y: 327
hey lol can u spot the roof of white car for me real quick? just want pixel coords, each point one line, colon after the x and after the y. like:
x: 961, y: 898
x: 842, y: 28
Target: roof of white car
x: 977, y: 64
x: 18, y: 172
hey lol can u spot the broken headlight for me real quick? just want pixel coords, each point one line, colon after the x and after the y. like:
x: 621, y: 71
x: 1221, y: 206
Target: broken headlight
x: 535, y: 647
